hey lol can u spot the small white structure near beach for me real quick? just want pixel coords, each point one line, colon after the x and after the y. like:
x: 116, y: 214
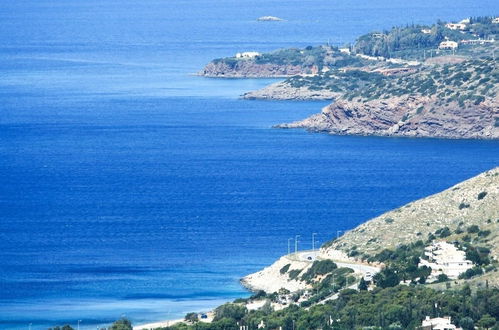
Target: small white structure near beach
x: 247, y: 55
x: 438, y: 323
x: 448, y: 45
x: 445, y: 258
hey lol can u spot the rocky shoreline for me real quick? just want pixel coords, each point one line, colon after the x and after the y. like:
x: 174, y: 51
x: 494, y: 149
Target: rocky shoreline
x: 282, y: 91
x: 405, y: 116
x: 249, y: 69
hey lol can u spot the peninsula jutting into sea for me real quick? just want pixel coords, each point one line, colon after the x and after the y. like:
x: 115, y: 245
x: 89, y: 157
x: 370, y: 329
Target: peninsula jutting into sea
x: 415, y: 81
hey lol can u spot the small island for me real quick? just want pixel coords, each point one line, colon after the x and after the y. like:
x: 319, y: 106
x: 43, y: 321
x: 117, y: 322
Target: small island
x: 269, y: 19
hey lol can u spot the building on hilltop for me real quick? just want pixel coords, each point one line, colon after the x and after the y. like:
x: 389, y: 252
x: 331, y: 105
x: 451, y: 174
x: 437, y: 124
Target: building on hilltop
x: 448, y: 45
x: 445, y: 258
x: 456, y: 26
x: 438, y: 323
x: 247, y: 55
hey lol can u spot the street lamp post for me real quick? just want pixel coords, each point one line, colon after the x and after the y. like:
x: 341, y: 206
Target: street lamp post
x: 313, y: 241
x: 79, y: 324
x: 296, y: 243
x: 29, y: 327
x: 289, y: 245
x: 338, y: 233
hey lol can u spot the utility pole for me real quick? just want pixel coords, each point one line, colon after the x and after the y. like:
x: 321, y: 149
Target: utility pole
x: 289, y: 245
x: 313, y: 241
x: 296, y: 243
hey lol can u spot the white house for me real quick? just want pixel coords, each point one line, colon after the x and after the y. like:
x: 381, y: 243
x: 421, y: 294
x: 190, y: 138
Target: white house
x: 495, y: 20
x: 247, y: 55
x: 426, y: 31
x: 345, y: 50
x: 448, y: 45
x: 438, y: 323
x: 456, y: 26
x: 445, y: 258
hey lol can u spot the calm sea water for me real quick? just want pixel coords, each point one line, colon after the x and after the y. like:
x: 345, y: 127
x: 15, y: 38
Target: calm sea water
x: 130, y: 187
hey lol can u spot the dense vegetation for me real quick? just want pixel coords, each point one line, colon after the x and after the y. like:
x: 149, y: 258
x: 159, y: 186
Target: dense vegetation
x: 308, y: 57
x: 400, y: 307
x: 410, y: 41
x: 469, y: 82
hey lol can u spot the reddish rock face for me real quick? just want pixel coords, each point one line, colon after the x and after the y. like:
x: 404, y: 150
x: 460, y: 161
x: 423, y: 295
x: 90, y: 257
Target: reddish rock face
x: 406, y: 116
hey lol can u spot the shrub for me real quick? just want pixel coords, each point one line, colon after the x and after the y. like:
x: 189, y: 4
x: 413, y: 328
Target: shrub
x: 473, y: 229
x: 321, y: 267
x: 471, y: 272
x: 191, y: 317
x: 285, y: 269
x: 230, y: 311
x: 484, y: 233
x: 443, y: 232
x: 463, y: 206
x: 121, y: 324
x: 293, y: 274
x: 482, y: 195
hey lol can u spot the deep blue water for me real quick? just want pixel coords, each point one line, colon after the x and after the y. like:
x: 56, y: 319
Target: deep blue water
x: 128, y: 186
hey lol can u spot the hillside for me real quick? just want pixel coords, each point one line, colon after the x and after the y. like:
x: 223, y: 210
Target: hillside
x: 448, y: 101
x: 472, y: 202
x: 421, y: 41
x: 339, y: 290
x: 280, y: 63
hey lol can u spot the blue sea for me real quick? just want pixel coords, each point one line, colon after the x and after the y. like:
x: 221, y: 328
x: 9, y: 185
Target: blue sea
x: 130, y: 187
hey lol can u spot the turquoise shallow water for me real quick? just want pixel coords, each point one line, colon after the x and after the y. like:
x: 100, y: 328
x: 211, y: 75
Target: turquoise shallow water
x: 131, y: 187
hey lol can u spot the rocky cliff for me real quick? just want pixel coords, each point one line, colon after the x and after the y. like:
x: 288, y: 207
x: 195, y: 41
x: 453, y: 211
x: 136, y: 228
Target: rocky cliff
x: 406, y: 116
x: 450, y: 101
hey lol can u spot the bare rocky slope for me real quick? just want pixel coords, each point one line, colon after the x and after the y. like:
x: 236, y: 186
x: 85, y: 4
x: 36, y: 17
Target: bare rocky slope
x: 472, y: 202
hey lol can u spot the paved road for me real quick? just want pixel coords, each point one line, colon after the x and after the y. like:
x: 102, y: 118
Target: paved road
x: 358, y: 268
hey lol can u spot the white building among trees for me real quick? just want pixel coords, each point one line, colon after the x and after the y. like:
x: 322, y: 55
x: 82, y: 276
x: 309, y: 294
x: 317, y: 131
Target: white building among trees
x: 438, y: 323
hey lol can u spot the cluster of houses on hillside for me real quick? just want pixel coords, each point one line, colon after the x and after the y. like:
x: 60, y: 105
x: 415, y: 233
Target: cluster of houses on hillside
x: 247, y: 55
x: 445, y: 258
